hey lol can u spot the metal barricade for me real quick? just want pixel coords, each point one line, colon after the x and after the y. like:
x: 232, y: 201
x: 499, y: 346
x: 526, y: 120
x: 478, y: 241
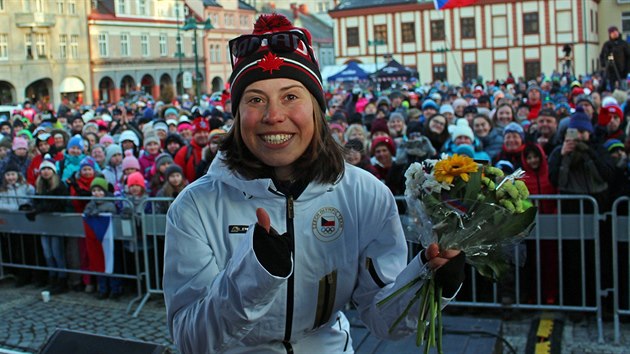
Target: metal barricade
x: 153, y: 232
x: 621, y: 260
x: 15, y: 227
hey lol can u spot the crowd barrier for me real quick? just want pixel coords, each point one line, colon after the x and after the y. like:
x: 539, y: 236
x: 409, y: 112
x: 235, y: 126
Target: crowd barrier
x: 558, y: 267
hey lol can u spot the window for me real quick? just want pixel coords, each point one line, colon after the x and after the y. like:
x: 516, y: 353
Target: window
x: 439, y: 72
x: 408, y: 32
x: 74, y: 46
x: 41, y: 46
x: 437, y: 30
x: 144, y: 44
x: 60, y: 7
x: 467, y: 25
x: 2, y: 7
x: 103, y: 48
x: 122, y: 7
x: 211, y: 59
x: 470, y: 71
x: 28, y: 46
x: 625, y: 22
x: 72, y: 7
x: 532, y: 70
x: 63, y: 46
x: 4, y: 46
x: 218, y: 50
x: 163, y: 45
x: 40, y: 6
x: 380, y: 33
x: 352, y: 36
x: 124, y: 44
x: 530, y: 23
x: 142, y: 7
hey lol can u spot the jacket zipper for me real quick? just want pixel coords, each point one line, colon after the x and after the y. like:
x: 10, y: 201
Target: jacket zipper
x: 290, y: 285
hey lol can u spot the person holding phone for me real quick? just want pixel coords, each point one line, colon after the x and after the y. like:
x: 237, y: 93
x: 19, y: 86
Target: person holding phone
x: 264, y: 252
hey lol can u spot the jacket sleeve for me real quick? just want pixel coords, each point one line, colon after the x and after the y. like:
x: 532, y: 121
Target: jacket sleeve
x: 209, y: 309
x: 383, y: 269
x: 554, y: 166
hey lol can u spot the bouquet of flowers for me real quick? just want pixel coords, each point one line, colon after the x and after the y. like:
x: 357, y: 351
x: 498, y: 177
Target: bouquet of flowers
x: 460, y: 204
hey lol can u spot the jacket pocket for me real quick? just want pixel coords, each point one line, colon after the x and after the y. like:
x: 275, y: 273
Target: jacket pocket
x: 325, y: 298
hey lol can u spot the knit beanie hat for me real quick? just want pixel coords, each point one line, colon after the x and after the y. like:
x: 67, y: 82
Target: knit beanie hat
x: 106, y: 139
x: 160, y: 125
x: 150, y: 137
x: 446, y: 108
x: 606, y: 113
x: 12, y: 167
x: 275, y: 49
x: 169, y: 111
x: 383, y: 140
x: 514, y: 128
x: 465, y: 149
x: 580, y: 120
x: 163, y: 158
x: 462, y: 129
x: 429, y: 103
x: 87, y: 161
x: 99, y: 182
x: 135, y: 179
x: 173, y: 169
x: 110, y: 151
x: 76, y: 141
x: 129, y: 135
x: 48, y: 162
x: 25, y: 133
x: 200, y: 124
x: 613, y: 144
x: 379, y: 125
x: 130, y: 161
x: 19, y: 143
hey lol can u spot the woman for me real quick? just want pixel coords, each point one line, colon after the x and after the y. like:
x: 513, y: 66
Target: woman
x: 513, y: 145
x: 490, y: 138
x: 503, y: 116
x: 229, y: 281
x: 436, y: 130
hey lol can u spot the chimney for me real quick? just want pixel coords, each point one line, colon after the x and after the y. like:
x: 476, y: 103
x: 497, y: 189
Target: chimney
x: 303, y: 9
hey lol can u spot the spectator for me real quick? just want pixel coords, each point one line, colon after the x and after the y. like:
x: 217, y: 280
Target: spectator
x: 174, y: 183
x: 356, y: 156
x: 189, y: 156
x: 503, y: 116
x: 609, y: 124
x: 435, y: 129
x: 152, y: 149
x: 546, y: 132
x: 18, y: 156
x: 383, y: 150
x: 491, y: 138
x: 157, y: 175
x: 113, y: 170
x: 534, y: 94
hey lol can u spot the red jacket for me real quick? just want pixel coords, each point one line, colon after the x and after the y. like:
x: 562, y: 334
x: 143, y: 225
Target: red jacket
x: 189, y: 165
x: 33, y: 169
x: 537, y: 181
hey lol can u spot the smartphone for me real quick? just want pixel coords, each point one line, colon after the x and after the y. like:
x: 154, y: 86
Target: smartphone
x: 572, y: 134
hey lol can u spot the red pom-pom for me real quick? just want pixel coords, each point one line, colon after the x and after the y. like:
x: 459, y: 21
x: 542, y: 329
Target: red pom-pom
x: 272, y: 22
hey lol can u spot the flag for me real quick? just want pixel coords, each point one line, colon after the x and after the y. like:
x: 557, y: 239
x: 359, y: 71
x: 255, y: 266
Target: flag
x: 451, y: 4
x: 99, y: 242
x: 328, y: 222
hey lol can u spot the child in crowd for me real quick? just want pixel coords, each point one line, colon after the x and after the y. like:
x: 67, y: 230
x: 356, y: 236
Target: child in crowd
x: 98, y: 154
x: 174, y: 184
x: 113, y: 170
x: 71, y: 160
x: 152, y: 149
x: 158, y: 173
x: 107, y: 286
x: 18, y: 156
x: 130, y: 165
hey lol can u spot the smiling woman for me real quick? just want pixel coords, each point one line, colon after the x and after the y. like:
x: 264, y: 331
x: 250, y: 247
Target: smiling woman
x: 234, y: 283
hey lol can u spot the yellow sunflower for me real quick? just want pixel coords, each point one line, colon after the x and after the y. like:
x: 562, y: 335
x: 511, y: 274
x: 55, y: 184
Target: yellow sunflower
x: 457, y: 165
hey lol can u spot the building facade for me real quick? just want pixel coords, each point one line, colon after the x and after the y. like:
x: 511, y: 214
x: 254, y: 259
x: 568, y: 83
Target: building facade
x: 43, y: 52
x: 488, y: 40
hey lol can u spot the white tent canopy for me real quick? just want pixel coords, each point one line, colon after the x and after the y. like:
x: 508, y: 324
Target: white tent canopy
x: 71, y: 84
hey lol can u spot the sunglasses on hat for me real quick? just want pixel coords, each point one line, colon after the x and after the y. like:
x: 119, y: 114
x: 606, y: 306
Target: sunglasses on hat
x: 277, y: 42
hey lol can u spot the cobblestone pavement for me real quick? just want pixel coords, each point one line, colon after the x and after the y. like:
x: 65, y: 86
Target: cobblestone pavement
x: 26, y: 322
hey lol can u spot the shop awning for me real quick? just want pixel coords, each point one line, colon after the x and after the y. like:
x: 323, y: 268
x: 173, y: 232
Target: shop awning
x: 71, y: 84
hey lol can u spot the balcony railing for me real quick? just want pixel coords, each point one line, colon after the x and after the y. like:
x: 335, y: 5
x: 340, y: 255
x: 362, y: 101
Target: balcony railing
x: 35, y: 19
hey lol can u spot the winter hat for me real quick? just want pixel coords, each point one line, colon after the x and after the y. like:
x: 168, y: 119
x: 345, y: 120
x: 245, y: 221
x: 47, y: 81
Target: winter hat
x: 163, y: 158
x: 174, y: 137
x: 462, y: 129
x: 533, y: 87
x: 613, y: 144
x: 174, y: 168
x: 48, y: 162
x: 25, y: 133
x: 580, y: 120
x: 608, y: 100
x: 129, y: 135
x: 506, y: 166
x: 76, y: 141
x: 160, y: 125
x: 19, y: 143
x: 150, y: 137
x: 606, y: 114
x: 383, y: 140
x: 429, y: 103
x: 87, y: 161
x: 99, y: 182
x: 446, y: 108
x: 465, y: 149
x: 379, y: 125
x: 110, y: 151
x: 470, y: 109
x: 12, y: 167
x: 130, y: 161
x: 106, y: 139
x: 514, y: 128
x: 584, y: 98
x: 135, y: 179
x: 169, y: 111
x: 200, y: 124
x: 268, y: 54
x: 183, y: 126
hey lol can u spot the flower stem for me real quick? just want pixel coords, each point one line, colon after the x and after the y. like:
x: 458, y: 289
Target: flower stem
x: 440, y: 325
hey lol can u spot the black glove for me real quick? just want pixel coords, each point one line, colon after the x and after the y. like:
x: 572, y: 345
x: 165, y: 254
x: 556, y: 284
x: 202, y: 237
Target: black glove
x: 31, y: 216
x: 273, y: 251
x: 451, y: 275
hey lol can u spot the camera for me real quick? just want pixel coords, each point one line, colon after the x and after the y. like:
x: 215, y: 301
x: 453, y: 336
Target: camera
x: 567, y: 50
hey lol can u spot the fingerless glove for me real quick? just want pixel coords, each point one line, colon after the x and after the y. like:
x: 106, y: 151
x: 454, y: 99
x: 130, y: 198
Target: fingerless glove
x: 273, y: 251
x: 451, y: 275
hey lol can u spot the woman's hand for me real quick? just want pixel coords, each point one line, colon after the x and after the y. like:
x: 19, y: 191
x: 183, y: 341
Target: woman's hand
x: 448, y: 266
x: 437, y: 259
x: 272, y: 250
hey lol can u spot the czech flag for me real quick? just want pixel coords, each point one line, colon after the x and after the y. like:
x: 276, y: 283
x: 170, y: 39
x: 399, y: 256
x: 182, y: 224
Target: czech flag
x: 99, y: 241
x: 451, y: 4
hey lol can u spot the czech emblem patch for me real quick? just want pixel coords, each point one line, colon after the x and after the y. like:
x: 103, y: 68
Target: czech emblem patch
x: 327, y: 224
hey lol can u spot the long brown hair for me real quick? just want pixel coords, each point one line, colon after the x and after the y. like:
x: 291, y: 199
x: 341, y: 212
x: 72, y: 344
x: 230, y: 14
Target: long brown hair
x: 322, y: 161
x: 44, y: 186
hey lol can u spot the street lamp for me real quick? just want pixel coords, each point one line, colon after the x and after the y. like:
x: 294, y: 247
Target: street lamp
x: 191, y: 24
x: 179, y: 53
x: 375, y: 43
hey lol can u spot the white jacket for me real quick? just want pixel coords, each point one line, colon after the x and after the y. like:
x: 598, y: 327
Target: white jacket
x: 349, y: 246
